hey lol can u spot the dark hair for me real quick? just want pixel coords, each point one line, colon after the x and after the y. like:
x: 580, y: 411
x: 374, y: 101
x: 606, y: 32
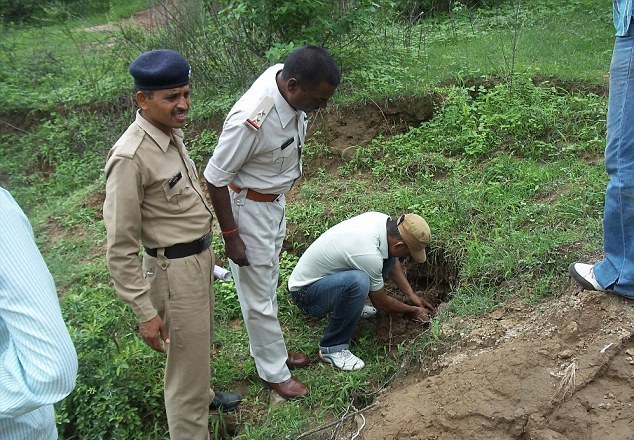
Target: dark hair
x: 310, y: 65
x: 149, y: 94
x: 392, y: 229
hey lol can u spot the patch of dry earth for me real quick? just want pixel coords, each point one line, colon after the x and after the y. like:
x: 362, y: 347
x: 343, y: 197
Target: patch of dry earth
x: 563, y: 370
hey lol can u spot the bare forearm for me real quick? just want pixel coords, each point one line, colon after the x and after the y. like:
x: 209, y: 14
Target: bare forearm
x: 222, y: 206
x: 234, y: 246
x: 388, y: 304
x: 397, y: 275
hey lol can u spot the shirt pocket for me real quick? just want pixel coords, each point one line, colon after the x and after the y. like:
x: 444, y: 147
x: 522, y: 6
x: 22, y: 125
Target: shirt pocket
x: 286, y: 156
x: 180, y: 196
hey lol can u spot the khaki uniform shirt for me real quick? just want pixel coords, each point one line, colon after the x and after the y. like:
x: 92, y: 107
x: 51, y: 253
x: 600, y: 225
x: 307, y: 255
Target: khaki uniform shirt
x: 153, y: 198
x: 266, y: 159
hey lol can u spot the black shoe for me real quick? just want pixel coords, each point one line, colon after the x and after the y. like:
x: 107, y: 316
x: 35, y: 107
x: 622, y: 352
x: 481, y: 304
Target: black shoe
x: 225, y: 402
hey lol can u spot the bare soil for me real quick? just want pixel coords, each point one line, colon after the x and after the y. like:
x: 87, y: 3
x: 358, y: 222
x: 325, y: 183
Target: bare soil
x: 562, y: 370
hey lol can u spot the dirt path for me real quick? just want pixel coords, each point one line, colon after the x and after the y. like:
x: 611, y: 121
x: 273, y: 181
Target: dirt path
x: 562, y: 371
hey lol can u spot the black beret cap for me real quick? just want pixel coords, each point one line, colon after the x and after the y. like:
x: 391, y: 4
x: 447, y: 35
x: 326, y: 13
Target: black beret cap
x: 160, y: 69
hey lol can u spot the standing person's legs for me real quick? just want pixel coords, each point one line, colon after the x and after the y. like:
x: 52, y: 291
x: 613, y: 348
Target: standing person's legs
x: 616, y: 271
x: 182, y: 293
x: 259, y: 310
x: 262, y: 226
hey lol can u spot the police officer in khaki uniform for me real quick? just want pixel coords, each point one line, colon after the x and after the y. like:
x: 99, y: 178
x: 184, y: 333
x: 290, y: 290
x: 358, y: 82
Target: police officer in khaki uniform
x: 256, y: 161
x: 153, y: 198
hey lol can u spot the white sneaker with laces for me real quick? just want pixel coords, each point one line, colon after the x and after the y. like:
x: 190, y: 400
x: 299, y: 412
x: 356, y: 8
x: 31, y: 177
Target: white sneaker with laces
x: 343, y: 360
x: 584, y: 275
x: 368, y: 312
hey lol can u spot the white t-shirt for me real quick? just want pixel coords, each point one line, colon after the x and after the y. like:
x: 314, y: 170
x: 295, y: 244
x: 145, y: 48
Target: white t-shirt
x: 357, y: 243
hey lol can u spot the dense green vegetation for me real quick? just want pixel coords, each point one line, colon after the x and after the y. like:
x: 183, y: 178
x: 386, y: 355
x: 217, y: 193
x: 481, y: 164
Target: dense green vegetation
x: 508, y: 173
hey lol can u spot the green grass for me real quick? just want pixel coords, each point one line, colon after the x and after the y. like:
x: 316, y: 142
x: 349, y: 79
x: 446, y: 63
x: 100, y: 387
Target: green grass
x: 571, y: 42
x: 63, y: 58
x: 63, y: 63
x: 510, y: 178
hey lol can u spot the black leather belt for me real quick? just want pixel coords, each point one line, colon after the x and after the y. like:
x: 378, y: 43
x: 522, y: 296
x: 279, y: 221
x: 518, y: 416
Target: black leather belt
x: 182, y: 250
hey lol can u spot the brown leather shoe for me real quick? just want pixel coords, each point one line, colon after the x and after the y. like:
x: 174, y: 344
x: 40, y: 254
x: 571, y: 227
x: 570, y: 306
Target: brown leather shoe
x: 296, y: 360
x: 289, y: 389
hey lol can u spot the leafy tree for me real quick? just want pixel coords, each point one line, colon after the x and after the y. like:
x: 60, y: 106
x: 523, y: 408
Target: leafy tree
x: 273, y: 28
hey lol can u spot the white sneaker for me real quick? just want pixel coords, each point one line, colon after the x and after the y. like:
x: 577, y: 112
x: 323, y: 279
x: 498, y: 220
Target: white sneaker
x: 584, y: 275
x: 344, y: 360
x: 368, y: 312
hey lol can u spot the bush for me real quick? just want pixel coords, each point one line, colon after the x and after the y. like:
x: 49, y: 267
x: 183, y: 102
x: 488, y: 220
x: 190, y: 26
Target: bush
x: 119, y: 385
x: 270, y: 31
x: 266, y: 26
x: 17, y: 10
x: 415, y: 9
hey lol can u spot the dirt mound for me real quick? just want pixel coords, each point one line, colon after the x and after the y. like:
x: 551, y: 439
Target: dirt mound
x: 359, y: 124
x: 563, y: 370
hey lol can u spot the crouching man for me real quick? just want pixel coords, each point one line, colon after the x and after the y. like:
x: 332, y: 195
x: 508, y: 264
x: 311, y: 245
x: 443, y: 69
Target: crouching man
x: 350, y: 262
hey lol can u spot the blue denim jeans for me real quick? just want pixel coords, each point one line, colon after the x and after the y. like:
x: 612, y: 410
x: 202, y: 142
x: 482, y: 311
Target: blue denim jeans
x: 340, y: 295
x: 616, y: 271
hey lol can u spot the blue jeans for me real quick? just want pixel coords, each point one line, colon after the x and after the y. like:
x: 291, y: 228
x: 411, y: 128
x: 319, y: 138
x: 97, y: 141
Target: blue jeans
x: 341, y: 295
x: 616, y: 271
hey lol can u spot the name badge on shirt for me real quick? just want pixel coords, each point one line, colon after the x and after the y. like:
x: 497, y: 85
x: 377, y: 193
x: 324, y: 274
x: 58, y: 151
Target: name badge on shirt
x: 174, y: 179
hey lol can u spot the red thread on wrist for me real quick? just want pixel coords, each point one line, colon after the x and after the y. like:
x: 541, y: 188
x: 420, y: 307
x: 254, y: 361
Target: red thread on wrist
x: 230, y: 231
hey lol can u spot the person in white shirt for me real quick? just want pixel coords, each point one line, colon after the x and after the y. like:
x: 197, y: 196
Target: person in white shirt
x: 38, y: 361
x: 349, y: 263
x: 257, y: 160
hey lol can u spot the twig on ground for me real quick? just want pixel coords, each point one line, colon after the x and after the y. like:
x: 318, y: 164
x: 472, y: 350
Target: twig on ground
x: 335, y: 432
x: 336, y: 422
x: 14, y: 127
x: 389, y: 336
x: 356, y: 434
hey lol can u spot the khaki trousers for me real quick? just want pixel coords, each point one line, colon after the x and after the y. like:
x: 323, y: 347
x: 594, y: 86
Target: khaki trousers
x: 262, y: 227
x: 181, y: 290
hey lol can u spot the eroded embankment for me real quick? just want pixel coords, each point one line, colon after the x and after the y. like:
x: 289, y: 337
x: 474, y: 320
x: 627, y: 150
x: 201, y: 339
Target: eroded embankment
x: 564, y: 370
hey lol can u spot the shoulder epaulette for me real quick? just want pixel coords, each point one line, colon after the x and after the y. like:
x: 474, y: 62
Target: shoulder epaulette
x: 129, y: 142
x: 260, y: 113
